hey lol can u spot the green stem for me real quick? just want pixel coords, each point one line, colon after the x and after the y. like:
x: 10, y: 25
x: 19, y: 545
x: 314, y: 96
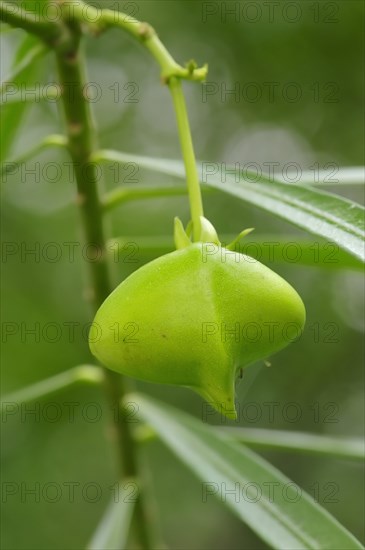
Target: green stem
x: 54, y: 33
x: 82, y: 143
x: 100, y: 20
x: 196, y: 204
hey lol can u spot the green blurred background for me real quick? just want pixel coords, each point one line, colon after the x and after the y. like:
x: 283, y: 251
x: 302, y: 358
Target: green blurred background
x: 317, y: 46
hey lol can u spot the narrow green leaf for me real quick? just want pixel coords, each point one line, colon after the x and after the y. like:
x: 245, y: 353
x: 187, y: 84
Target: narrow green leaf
x: 26, y: 56
x: 334, y: 175
x: 285, y: 518
x: 23, y: 73
x: 341, y: 447
x: 112, y: 532
x: 320, y: 213
x: 123, y: 194
x: 53, y: 140
x: 83, y: 373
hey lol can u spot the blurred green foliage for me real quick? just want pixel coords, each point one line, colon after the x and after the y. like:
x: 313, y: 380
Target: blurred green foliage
x: 323, y: 378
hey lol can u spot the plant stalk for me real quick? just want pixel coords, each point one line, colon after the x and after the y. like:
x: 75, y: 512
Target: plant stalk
x: 187, y: 148
x: 100, y: 19
x: 53, y: 32
x: 82, y: 142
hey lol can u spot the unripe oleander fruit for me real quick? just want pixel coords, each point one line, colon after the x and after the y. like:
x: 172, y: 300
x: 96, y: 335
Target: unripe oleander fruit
x: 191, y: 312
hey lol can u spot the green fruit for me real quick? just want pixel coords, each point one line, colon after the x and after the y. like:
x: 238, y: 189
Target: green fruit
x: 194, y: 317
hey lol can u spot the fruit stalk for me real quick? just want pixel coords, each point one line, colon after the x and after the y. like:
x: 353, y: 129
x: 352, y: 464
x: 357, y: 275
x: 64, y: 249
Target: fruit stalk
x: 195, y: 198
